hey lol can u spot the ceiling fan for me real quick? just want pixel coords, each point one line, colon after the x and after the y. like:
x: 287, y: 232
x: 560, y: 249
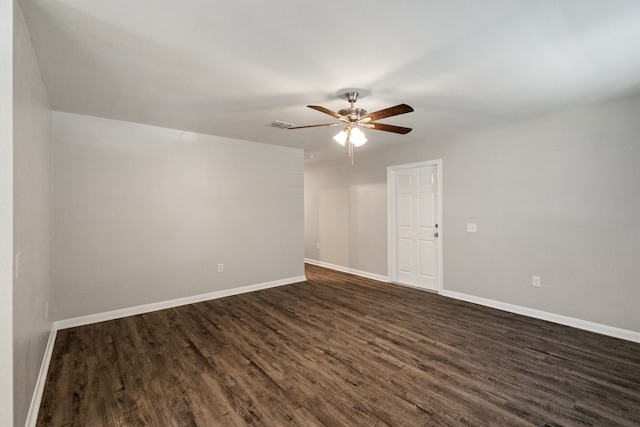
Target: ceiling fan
x: 353, y: 117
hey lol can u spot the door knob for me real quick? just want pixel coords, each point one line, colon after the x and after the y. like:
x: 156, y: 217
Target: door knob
x: 435, y: 234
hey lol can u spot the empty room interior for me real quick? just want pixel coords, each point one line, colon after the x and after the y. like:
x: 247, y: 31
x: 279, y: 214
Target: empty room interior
x: 330, y: 213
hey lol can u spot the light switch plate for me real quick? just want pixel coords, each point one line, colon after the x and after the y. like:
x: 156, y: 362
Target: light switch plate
x: 471, y: 227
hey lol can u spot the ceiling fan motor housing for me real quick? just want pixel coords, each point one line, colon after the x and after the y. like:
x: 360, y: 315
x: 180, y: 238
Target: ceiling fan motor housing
x: 353, y: 113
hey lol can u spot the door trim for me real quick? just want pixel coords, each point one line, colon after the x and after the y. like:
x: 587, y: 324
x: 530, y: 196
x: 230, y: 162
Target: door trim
x: 391, y: 218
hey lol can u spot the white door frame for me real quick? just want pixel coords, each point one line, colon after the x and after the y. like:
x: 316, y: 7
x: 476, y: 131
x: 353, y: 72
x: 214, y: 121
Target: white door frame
x: 391, y: 217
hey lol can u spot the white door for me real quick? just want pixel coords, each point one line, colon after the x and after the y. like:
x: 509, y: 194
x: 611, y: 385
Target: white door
x: 416, y: 227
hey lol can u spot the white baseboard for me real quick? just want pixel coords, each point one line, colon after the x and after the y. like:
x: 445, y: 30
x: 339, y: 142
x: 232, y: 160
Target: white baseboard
x: 32, y: 416
x: 360, y: 273
x: 551, y: 317
x: 147, y: 308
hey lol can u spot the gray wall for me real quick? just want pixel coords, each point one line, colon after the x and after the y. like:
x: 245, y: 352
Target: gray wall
x: 32, y: 223
x: 556, y: 197
x: 144, y: 214
x: 6, y: 211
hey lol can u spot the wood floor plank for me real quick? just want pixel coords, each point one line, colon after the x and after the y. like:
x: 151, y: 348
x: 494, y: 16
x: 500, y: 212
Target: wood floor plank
x: 339, y: 350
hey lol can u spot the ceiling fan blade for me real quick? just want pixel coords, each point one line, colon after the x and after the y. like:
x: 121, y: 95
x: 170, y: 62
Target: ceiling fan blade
x: 387, y: 128
x: 326, y: 111
x: 387, y: 112
x: 314, y: 126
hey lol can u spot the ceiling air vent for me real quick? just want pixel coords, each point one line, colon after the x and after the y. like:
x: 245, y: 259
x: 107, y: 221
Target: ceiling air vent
x: 280, y: 125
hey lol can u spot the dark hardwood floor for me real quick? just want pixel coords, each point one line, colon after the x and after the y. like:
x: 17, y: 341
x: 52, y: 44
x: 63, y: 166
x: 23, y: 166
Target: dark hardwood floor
x: 339, y: 350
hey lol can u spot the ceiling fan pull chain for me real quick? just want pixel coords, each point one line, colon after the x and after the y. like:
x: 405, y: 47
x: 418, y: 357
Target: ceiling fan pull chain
x: 351, y: 151
x: 350, y: 144
x: 352, y: 154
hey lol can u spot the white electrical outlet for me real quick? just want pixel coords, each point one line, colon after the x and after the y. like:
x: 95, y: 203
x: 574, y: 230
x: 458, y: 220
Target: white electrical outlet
x: 471, y: 227
x: 535, y: 281
x: 220, y: 268
x: 317, y: 245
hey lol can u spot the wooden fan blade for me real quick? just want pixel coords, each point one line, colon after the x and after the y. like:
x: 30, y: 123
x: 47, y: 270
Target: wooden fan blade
x: 387, y: 128
x: 387, y: 112
x: 314, y: 126
x: 326, y: 111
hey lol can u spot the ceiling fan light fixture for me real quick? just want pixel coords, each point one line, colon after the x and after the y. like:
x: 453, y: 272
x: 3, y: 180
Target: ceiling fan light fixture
x: 341, y: 137
x: 357, y: 137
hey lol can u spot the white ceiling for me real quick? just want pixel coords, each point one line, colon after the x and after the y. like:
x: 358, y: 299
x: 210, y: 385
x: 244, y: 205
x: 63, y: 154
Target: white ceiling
x: 230, y: 67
